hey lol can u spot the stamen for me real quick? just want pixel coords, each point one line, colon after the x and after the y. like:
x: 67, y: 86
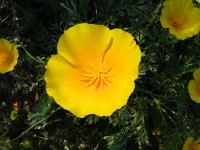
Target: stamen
x: 96, y: 74
x: 177, y: 22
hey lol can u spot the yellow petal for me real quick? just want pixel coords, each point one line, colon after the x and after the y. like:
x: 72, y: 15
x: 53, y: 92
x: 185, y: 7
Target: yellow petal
x: 124, y: 53
x: 194, y: 21
x: 8, y: 56
x: 164, y: 15
x: 196, y: 74
x: 111, y: 98
x: 5, y: 45
x: 59, y: 74
x: 181, y: 5
x: 83, y: 40
x: 194, y: 95
x: 187, y: 143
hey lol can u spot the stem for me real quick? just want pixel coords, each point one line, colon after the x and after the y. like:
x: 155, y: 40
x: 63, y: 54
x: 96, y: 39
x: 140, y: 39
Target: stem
x: 29, y: 54
x: 26, y: 131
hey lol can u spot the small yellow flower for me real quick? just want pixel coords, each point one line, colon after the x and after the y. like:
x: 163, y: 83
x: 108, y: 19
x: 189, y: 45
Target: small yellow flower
x: 191, y: 144
x: 181, y: 17
x: 8, y: 56
x: 156, y: 132
x: 94, y: 70
x: 194, y: 86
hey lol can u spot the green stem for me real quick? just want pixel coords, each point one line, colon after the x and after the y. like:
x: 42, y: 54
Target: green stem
x: 29, y: 54
x: 26, y: 131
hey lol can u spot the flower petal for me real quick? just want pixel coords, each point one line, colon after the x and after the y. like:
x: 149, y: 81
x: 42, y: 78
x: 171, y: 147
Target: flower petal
x: 164, y: 16
x: 104, y: 103
x: 187, y: 143
x: 193, y: 91
x: 5, y: 45
x: 194, y: 21
x: 181, y: 5
x: 196, y: 74
x: 124, y: 53
x: 8, y: 56
x: 83, y: 40
x: 59, y: 76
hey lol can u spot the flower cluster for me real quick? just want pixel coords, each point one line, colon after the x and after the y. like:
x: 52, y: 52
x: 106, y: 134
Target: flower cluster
x: 94, y: 63
x: 95, y: 68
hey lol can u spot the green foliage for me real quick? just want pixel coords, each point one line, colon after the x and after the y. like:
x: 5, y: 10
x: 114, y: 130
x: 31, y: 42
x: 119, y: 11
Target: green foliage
x: 41, y: 109
x: 159, y: 113
x: 117, y: 141
x: 14, y: 115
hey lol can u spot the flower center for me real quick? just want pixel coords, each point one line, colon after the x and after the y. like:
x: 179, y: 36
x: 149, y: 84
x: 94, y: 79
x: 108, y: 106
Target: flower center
x: 177, y: 22
x: 96, y: 74
x: 5, y: 59
x: 193, y: 146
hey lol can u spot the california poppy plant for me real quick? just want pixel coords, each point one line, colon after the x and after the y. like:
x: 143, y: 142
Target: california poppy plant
x: 194, y: 86
x: 181, y: 17
x: 94, y: 70
x: 8, y: 56
x: 191, y: 144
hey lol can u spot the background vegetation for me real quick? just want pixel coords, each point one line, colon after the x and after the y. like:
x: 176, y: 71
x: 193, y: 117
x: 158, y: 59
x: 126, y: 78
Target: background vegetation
x: 158, y: 115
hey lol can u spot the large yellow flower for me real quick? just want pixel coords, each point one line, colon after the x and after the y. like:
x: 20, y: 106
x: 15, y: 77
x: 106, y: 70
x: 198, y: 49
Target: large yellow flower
x: 8, y: 56
x: 94, y: 70
x: 181, y: 17
x: 191, y: 144
x: 194, y: 86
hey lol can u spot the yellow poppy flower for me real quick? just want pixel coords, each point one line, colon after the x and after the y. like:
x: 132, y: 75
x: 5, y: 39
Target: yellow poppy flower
x: 181, y: 17
x: 94, y: 70
x: 194, y: 86
x: 191, y: 144
x: 8, y: 56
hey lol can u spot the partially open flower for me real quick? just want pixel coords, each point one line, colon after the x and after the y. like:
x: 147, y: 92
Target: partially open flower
x: 8, y: 56
x: 191, y: 144
x: 194, y: 86
x: 94, y: 70
x: 181, y: 17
